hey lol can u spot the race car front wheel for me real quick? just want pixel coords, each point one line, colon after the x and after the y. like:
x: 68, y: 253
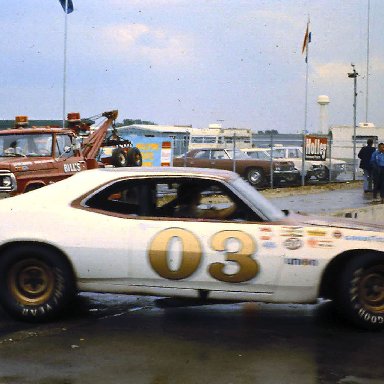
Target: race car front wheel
x: 36, y: 283
x: 360, y: 296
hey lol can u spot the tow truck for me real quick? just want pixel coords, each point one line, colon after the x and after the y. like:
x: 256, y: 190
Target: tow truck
x: 32, y: 157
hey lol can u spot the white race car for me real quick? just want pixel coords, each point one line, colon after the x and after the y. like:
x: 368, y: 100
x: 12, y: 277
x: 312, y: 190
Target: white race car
x: 123, y: 231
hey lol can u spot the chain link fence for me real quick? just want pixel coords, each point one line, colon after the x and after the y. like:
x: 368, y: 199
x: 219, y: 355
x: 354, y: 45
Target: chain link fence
x: 338, y: 163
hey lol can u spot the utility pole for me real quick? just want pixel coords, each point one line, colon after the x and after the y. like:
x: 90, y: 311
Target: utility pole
x: 353, y: 75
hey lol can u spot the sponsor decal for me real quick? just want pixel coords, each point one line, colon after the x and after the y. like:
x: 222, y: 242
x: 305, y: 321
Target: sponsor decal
x: 316, y: 243
x: 293, y: 243
x: 292, y: 231
x: 315, y: 147
x: 365, y: 238
x: 72, y: 167
x: 302, y: 262
x: 265, y: 229
x: 337, y: 234
x: 265, y: 238
x: 269, y: 245
x: 316, y: 232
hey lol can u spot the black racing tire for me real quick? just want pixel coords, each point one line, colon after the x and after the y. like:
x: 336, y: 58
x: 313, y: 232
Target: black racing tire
x: 119, y: 158
x: 36, y: 282
x: 134, y: 157
x: 360, y: 294
x: 255, y: 177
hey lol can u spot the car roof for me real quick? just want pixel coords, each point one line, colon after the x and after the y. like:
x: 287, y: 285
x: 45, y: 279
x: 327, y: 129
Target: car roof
x: 81, y: 183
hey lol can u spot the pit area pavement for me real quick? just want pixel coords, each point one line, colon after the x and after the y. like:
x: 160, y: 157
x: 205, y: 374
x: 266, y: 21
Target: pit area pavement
x: 345, y: 199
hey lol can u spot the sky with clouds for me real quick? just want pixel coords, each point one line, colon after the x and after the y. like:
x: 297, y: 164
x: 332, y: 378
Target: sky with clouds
x: 238, y: 62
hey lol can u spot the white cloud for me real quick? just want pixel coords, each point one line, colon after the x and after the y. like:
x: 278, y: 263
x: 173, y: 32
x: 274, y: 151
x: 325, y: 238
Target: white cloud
x: 332, y: 72
x: 139, y: 41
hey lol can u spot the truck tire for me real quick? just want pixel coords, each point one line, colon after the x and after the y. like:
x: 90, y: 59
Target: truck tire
x: 323, y: 175
x: 134, y: 157
x: 255, y: 177
x: 360, y: 294
x: 36, y: 283
x: 119, y: 158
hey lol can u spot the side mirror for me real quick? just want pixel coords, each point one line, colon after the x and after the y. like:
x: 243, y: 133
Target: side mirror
x: 67, y: 149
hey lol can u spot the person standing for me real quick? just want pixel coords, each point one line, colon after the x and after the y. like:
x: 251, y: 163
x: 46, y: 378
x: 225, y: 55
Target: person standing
x: 377, y: 161
x: 365, y: 155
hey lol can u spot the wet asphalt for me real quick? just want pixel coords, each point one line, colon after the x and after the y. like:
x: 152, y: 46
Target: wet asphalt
x: 329, y: 199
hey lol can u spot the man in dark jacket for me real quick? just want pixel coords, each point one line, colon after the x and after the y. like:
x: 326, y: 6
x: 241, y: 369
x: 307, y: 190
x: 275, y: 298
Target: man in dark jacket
x: 365, y: 155
x: 377, y: 162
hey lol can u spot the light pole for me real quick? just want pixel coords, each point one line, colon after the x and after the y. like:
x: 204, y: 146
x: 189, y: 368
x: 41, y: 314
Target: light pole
x: 353, y: 75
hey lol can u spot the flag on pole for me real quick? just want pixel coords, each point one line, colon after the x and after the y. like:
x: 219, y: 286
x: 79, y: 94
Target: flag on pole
x: 67, y: 5
x: 307, y: 40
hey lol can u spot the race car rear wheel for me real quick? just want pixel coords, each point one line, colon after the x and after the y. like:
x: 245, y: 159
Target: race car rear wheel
x: 134, y: 157
x: 255, y: 177
x: 119, y: 158
x: 360, y: 296
x: 36, y: 283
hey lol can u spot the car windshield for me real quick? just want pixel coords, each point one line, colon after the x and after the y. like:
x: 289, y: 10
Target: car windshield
x: 258, y: 200
x: 29, y: 145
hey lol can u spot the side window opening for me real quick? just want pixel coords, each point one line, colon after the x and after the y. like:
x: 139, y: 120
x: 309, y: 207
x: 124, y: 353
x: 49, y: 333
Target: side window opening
x: 121, y: 197
x: 166, y: 198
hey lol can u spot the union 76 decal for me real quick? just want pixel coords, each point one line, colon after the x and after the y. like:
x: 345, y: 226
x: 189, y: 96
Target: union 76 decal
x: 191, y: 255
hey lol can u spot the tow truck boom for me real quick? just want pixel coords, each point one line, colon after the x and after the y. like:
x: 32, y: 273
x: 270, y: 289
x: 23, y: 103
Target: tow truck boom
x: 92, y: 143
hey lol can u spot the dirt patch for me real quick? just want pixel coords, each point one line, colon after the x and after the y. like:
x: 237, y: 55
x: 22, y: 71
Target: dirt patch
x: 307, y: 189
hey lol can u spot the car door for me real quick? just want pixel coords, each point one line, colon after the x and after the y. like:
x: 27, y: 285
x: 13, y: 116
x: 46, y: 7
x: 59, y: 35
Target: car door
x: 219, y: 159
x: 141, y: 246
x: 199, y: 159
x: 197, y: 253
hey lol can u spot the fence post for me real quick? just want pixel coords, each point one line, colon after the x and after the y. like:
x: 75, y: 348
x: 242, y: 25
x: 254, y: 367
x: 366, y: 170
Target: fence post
x: 303, y: 161
x: 330, y: 158
x: 271, y: 162
x: 234, y: 152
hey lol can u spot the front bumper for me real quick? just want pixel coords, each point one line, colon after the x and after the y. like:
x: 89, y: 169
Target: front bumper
x: 286, y: 176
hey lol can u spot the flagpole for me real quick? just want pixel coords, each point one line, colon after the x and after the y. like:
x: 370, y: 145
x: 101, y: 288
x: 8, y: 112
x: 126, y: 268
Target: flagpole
x: 367, y: 87
x: 65, y: 60
x: 306, y: 101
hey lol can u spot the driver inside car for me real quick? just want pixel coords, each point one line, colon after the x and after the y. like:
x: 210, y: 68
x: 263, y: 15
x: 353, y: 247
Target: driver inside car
x: 189, y: 199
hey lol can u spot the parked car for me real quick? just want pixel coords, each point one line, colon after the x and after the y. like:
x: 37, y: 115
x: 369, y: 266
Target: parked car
x: 313, y: 168
x: 116, y: 230
x: 256, y: 172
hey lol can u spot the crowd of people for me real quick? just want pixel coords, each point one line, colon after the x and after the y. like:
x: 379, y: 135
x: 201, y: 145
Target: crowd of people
x: 372, y: 164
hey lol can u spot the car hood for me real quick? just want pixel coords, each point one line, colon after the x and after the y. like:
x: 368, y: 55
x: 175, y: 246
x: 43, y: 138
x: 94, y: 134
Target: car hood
x: 335, y: 222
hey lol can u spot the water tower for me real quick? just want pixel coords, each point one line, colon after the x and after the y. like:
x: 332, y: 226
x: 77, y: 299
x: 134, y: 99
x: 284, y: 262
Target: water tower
x: 323, y: 101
